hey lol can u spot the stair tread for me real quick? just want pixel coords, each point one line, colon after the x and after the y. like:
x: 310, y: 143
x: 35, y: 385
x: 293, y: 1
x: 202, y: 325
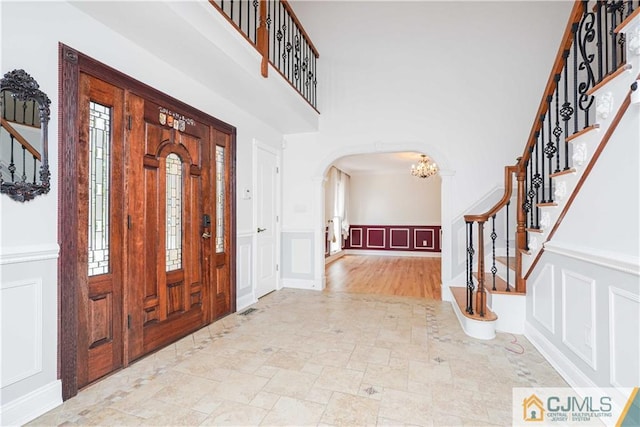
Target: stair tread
x: 460, y: 295
x: 503, y: 260
x: 501, y: 285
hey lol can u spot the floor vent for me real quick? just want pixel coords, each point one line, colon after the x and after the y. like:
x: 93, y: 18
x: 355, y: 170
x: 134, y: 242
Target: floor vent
x: 248, y: 311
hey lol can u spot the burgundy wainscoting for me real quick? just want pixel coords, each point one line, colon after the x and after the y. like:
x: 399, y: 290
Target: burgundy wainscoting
x: 418, y: 238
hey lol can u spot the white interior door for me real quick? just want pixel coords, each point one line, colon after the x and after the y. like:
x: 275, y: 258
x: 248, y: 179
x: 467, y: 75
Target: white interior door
x: 266, y: 195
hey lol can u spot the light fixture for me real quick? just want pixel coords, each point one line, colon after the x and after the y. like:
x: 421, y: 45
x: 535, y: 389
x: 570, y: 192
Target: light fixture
x: 425, y: 168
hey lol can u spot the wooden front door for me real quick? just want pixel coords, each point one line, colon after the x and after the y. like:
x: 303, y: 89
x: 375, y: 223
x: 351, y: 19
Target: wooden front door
x: 155, y: 229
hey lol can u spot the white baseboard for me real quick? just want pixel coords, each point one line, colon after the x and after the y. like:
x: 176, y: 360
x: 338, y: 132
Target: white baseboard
x: 245, y: 301
x: 334, y: 257
x: 567, y: 370
x: 302, y: 284
x: 30, y: 406
x: 392, y: 253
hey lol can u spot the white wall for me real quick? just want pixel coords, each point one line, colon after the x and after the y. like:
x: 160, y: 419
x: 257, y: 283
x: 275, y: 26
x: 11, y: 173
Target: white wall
x: 185, y: 49
x: 460, y: 81
x: 394, y: 199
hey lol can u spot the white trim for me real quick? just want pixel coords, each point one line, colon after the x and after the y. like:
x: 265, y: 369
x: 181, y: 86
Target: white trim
x: 20, y: 254
x: 244, y: 233
x: 391, y: 230
x: 302, y: 284
x: 36, y: 336
x: 351, y: 230
x: 567, y: 370
x: 613, y: 374
x: 384, y: 237
x: 245, y: 301
x: 591, y: 282
x: 433, y: 238
x: 392, y: 253
x: 30, y: 406
x: 615, y: 261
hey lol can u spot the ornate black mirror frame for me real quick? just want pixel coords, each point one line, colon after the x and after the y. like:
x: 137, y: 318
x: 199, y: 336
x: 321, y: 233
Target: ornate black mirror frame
x: 23, y: 87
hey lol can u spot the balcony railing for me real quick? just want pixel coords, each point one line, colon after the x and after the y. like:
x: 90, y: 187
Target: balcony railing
x: 273, y: 29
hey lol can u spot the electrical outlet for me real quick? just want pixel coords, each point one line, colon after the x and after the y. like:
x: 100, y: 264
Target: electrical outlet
x: 424, y: 243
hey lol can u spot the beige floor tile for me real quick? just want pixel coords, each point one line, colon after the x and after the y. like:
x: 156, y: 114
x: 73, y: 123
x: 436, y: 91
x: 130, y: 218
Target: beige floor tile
x: 349, y: 410
x: 371, y: 354
x: 240, y: 387
x: 406, y: 407
x: 294, y: 412
x: 235, y: 414
x: 291, y: 383
x: 313, y: 358
x: 387, y: 376
x: 340, y: 379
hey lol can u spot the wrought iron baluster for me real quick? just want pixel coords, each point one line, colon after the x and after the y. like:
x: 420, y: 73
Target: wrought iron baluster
x: 35, y: 168
x: 587, y: 35
x: 470, y: 251
x: 23, y: 177
x: 600, y: 48
x: 567, y: 110
x: 550, y: 151
x: 507, y: 241
x: 542, y: 119
x: 537, y: 181
x: 494, y: 269
x: 574, y: 30
x: 12, y: 164
x: 557, y: 130
x: 256, y: 21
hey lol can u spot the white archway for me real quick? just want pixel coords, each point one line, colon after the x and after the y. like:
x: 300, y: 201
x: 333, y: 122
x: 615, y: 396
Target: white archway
x: 446, y: 172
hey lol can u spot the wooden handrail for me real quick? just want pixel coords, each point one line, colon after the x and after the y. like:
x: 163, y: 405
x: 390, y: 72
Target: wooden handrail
x: 558, y: 64
x: 5, y: 124
x: 508, y: 188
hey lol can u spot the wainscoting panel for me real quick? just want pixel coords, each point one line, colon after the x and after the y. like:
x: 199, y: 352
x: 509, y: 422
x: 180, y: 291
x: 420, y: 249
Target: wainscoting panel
x: 579, y: 328
x: 624, y: 330
x: 544, y: 303
x: 21, y: 305
x: 418, y: 238
x: 297, y: 255
x: 244, y: 273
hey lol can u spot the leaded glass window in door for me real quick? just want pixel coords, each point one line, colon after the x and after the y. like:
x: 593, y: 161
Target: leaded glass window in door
x: 98, y: 229
x: 174, y: 213
x: 220, y: 198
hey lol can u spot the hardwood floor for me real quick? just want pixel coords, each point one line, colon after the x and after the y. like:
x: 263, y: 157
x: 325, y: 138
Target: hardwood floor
x: 385, y: 275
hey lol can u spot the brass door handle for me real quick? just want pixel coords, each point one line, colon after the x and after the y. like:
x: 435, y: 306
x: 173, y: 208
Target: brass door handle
x: 206, y: 235
x: 260, y: 230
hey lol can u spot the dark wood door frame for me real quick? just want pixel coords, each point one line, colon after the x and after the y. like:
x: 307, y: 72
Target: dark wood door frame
x: 71, y: 64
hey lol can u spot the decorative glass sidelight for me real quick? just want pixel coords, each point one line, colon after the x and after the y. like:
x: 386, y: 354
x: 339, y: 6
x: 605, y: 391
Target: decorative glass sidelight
x: 220, y: 198
x: 99, y: 144
x: 174, y: 213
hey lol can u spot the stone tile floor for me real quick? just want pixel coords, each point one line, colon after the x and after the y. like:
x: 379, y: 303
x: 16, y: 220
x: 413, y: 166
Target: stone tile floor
x: 313, y: 358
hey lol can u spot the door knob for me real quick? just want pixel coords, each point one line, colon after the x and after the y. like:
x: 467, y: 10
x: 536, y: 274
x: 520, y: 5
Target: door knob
x: 260, y: 230
x: 206, y: 235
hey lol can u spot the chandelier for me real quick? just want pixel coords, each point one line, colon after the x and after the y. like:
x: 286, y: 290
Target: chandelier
x: 425, y: 168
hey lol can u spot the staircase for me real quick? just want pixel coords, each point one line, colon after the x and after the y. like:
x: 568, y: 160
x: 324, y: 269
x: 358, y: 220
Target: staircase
x: 593, y: 84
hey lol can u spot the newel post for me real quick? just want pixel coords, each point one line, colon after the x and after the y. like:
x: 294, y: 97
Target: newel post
x: 263, y: 39
x: 521, y: 233
x: 481, y: 295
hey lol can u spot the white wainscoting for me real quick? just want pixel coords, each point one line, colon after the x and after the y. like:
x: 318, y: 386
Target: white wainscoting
x: 29, y: 330
x: 624, y: 329
x: 583, y: 315
x: 544, y: 303
x: 21, y: 305
x: 245, y: 293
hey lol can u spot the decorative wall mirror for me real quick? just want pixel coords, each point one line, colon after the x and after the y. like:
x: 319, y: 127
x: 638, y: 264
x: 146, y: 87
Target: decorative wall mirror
x: 24, y: 109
